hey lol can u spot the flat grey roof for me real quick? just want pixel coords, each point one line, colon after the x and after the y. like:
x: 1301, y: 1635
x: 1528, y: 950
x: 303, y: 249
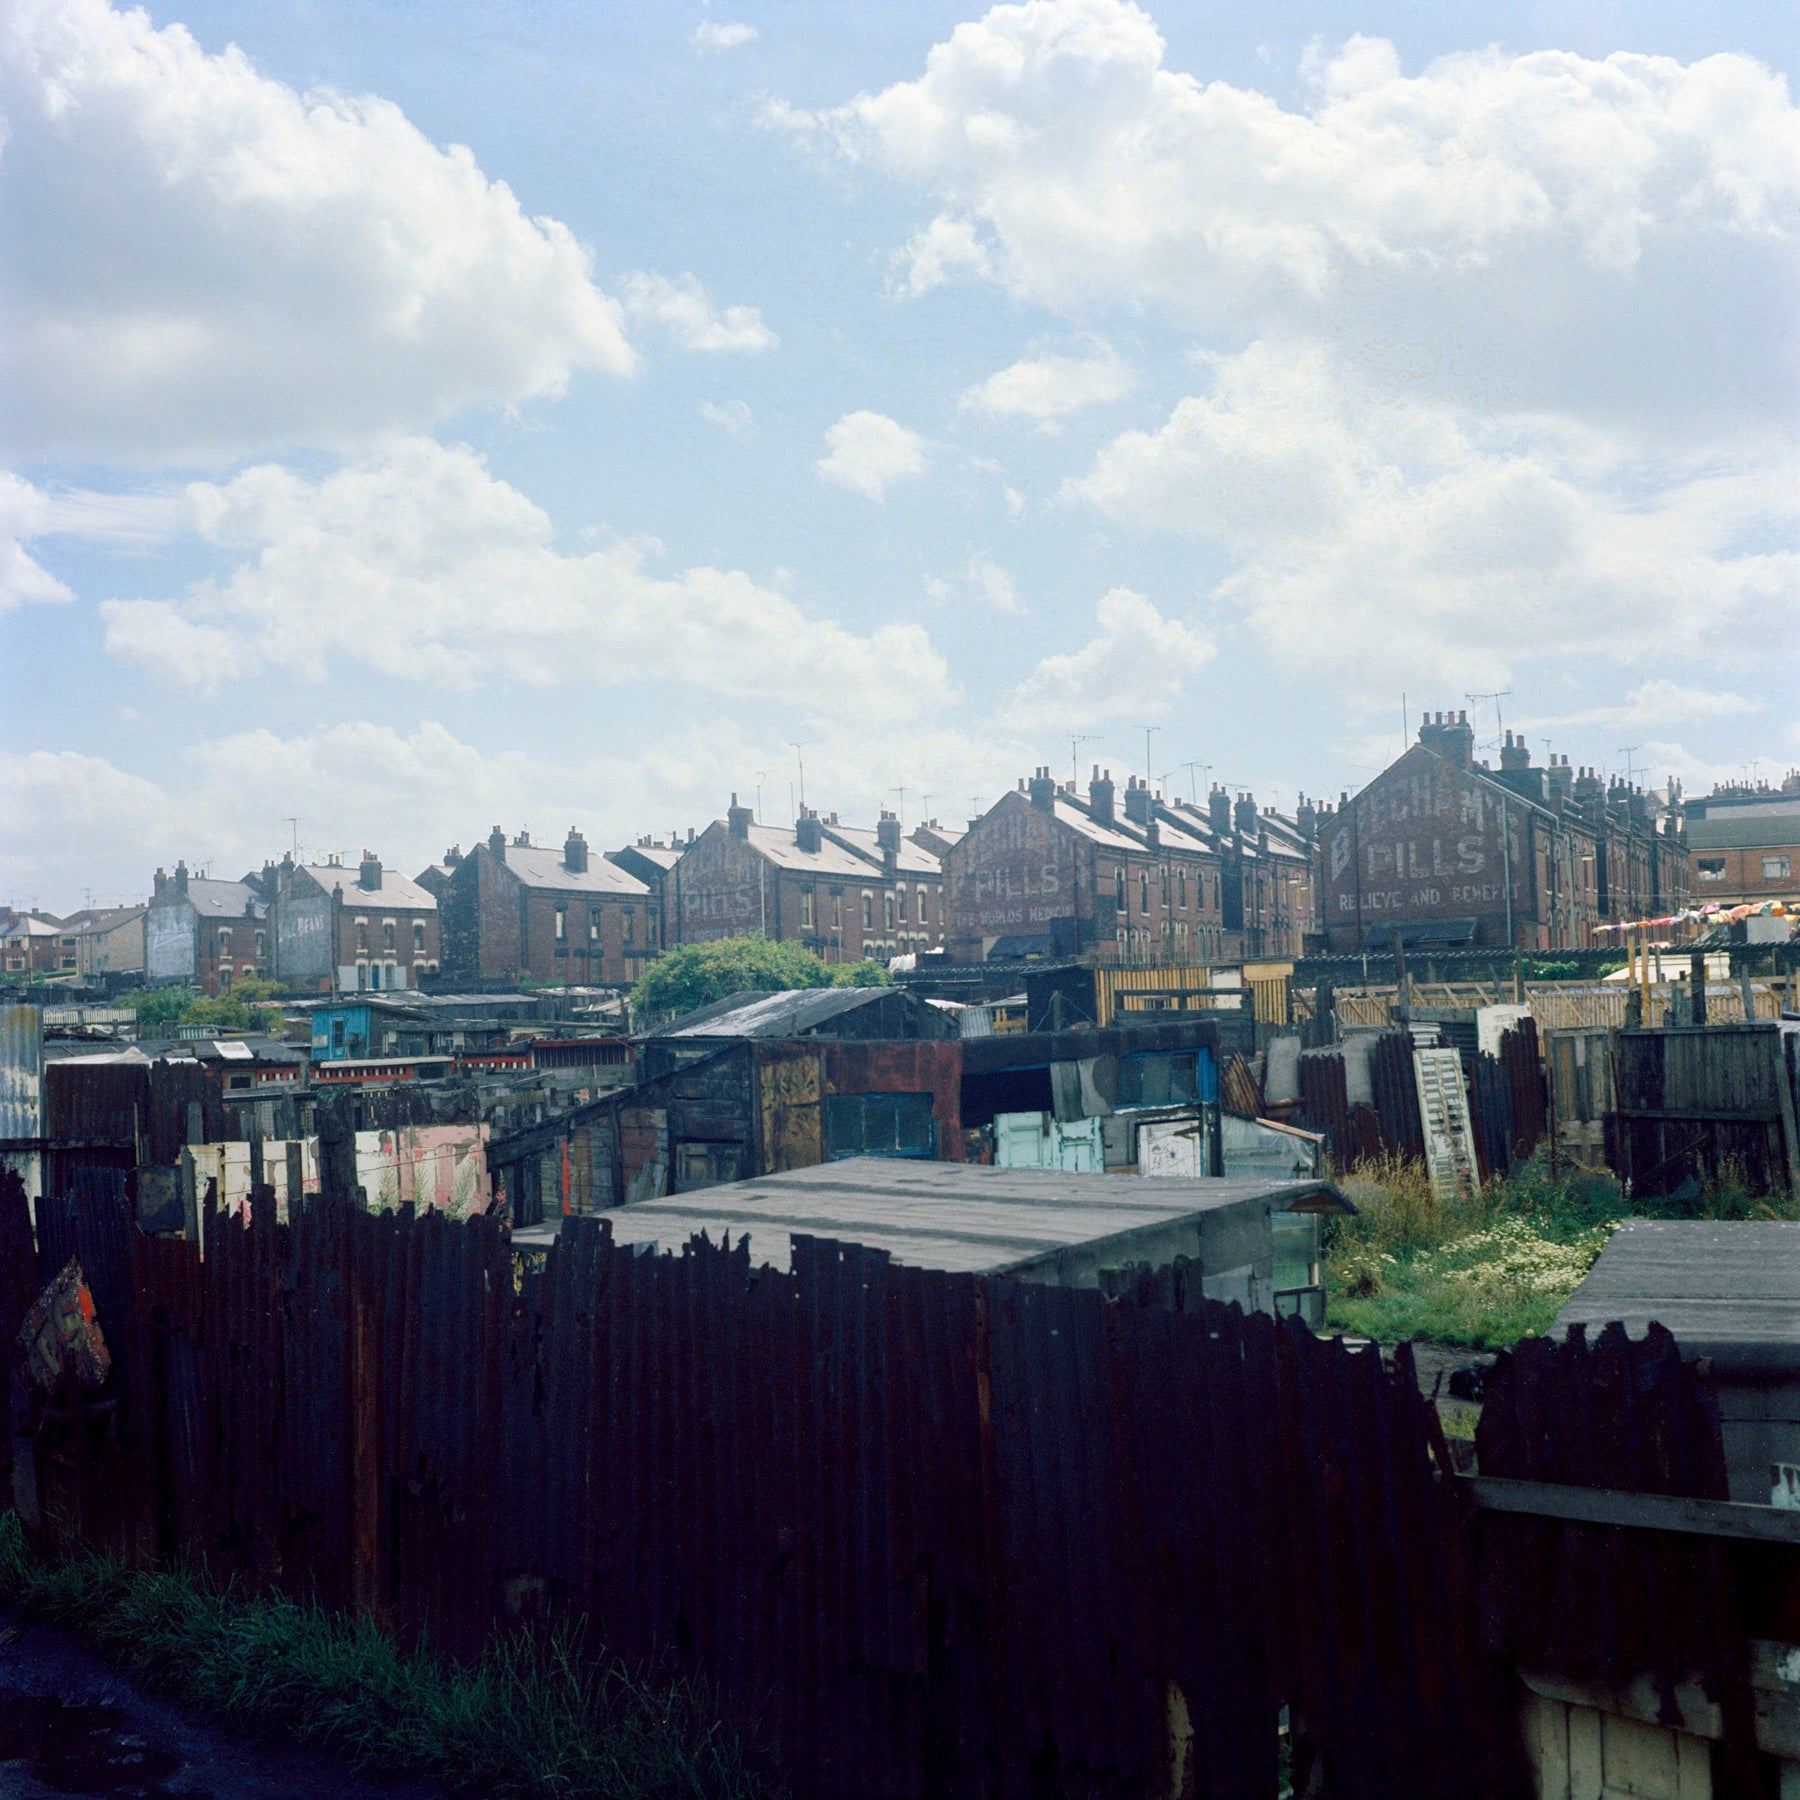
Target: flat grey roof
x: 962, y: 1217
x: 1727, y: 1289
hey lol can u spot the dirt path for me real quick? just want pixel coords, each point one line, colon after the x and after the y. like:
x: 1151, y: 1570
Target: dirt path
x: 71, y: 1724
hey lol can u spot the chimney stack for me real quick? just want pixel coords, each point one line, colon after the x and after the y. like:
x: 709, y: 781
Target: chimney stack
x: 1515, y: 753
x: 159, y: 885
x: 575, y: 852
x: 1450, y: 736
x: 1140, y: 803
x: 181, y: 876
x: 497, y: 842
x: 808, y: 835
x: 368, y: 876
x: 1306, y: 819
x: 1042, y: 790
x: 738, y: 819
x: 1100, y: 796
x: 1218, y: 810
x: 1559, y: 781
x: 1244, y: 815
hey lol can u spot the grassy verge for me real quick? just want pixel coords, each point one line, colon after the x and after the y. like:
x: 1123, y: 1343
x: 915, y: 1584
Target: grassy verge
x: 1491, y: 1270
x: 529, y: 1721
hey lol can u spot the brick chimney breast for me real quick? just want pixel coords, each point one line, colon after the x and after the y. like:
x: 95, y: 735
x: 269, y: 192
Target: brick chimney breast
x: 738, y: 819
x: 1140, y: 803
x: 1100, y: 796
x: 575, y: 853
x: 181, y: 876
x: 368, y: 876
x: 1244, y: 815
x: 887, y: 832
x: 808, y: 834
x: 1042, y: 790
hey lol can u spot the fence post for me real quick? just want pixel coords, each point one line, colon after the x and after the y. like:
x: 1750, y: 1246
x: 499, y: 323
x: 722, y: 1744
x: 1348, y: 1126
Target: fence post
x: 1697, y: 981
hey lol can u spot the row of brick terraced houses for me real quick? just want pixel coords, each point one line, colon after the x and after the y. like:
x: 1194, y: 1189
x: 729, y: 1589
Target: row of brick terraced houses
x: 1438, y: 846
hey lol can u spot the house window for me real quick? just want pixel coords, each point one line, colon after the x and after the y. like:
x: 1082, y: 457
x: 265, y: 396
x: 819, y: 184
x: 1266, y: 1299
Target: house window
x: 923, y: 898
x: 418, y: 937
x: 888, y: 911
x: 225, y: 979
x: 224, y: 943
x: 868, y: 910
x: 262, y: 945
x: 594, y: 924
x: 1143, y: 890
x: 562, y: 924
x: 1181, y: 890
x: 362, y: 934
x: 630, y: 924
x: 1711, y: 868
x: 387, y: 934
x: 1776, y: 868
x: 837, y: 909
x: 1119, y: 888
x: 806, y: 909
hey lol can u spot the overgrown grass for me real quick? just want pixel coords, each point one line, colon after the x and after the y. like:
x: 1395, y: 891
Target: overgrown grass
x: 528, y: 1721
x: 1497, y: 1267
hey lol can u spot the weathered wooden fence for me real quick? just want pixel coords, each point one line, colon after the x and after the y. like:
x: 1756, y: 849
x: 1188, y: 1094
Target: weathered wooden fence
x: 921, y: 1533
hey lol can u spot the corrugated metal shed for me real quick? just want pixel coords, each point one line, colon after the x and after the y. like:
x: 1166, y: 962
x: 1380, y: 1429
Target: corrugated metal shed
x: 762, y: 1013
x: 1041, y: 1224
x: 21, y: 1074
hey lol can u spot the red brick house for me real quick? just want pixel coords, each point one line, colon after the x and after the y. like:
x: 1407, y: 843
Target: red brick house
x: 842, y: 891
x: 366, y: 929
x: 209, y: 933
x: 517, y: 909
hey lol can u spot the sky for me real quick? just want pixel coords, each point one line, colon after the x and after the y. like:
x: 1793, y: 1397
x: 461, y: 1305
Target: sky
x: 419, y: 419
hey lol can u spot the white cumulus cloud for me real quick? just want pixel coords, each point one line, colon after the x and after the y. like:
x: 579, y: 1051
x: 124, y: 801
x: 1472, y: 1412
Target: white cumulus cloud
x: 1528, y: 222
x: 712, y: 35
x: 421, y: 565
x: 1391, y: 539
x: 682, y: 309
x: 1135, y: 667
x: 868, y: 452
x: 202, y: 261
x: 1047, y: 388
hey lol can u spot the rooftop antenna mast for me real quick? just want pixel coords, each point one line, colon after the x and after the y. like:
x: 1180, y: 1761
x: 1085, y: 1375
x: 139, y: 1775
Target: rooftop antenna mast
x: 1499, y: 724
x: 1629, y: 752
x: 902, y: 793
x: 799, y: 750
x: 1205, y: 768
x: 293, y: 823
x: 762, y: 775
x: 1076, y: 740
x: 1150, y: 731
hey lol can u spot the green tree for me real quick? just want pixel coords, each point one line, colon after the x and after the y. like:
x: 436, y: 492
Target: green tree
x: 245, y: 1008
x: 697, y: 974
x: 159, y: 1008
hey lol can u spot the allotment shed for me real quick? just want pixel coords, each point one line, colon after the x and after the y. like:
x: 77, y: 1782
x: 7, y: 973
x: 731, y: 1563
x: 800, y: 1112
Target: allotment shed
x: 1728, y: 1290
x: 1067, y: 1230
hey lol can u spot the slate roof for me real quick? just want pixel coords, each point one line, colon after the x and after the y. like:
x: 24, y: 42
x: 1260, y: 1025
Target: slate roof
x: 913, y: 859
x: 224, y: 899
x: 542, y: 868
x: 777, y: 843
x: 396, y: 890
x: 1756, y: 831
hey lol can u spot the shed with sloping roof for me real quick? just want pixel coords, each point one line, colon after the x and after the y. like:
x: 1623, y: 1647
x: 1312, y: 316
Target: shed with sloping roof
x: 1729, y: 1291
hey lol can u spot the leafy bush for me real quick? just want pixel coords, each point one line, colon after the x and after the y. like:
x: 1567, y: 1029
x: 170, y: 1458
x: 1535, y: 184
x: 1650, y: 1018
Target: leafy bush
x: 158, y: 1008
x: 697, y: 974
x: 529, y: 1720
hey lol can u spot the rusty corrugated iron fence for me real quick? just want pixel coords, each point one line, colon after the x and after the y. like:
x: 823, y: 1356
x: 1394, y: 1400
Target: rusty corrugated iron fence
x: 922, y: 1533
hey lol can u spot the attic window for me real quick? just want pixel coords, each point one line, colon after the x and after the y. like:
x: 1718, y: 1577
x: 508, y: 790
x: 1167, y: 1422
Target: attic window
x: 1711, y: 868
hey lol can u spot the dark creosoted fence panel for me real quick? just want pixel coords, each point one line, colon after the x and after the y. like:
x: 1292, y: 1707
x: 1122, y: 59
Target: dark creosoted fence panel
x: 921, y: 1534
